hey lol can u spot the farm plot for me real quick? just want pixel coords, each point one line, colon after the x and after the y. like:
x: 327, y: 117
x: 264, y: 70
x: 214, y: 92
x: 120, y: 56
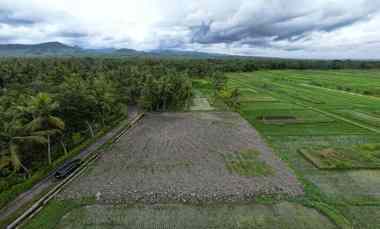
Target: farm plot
x: 356, y: 157
x: 337, y: 184
x: 302, y: 122
x: 282, y: 215
x: 186, y: 157
x: 363, y: 216
x: 351, y: 186
x: 336, y: 125
x: 364, y: 116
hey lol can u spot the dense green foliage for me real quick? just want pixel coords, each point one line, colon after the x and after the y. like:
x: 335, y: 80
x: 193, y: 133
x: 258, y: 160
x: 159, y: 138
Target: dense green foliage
x: 50, y: 106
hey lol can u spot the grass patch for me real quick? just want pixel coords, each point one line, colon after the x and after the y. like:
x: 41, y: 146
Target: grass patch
x: 363, y: 216
x: 52, y: 214
x: 333, y: 214
x: 247, y: 163
x: 357, y: 157
x: 175, y: 216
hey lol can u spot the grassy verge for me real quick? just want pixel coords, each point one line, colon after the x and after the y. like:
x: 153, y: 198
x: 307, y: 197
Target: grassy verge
x: 50, y: 216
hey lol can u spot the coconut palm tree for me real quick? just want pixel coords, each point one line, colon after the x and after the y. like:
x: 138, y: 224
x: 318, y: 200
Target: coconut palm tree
x: 44, y: 124
x: 12, y: 137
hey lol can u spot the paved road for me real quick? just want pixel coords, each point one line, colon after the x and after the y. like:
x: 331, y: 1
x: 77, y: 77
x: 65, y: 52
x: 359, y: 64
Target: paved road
x: 40, y: 187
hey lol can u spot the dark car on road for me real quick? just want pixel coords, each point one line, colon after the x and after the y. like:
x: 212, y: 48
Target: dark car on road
x: 67, y: 169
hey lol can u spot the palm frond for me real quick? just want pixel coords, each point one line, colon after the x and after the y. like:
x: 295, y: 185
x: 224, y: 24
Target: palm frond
x: 35, y: 124
x: 5, y: 161
x: 14, y: 157
x: 52, y: 132
x: 56, y: 122
x: 37, y: 139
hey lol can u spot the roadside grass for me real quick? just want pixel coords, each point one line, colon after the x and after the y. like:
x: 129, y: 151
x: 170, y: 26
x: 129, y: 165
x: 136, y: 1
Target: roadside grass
x: 52, y: 214
x: 357, y: 157
x: 247, y: 163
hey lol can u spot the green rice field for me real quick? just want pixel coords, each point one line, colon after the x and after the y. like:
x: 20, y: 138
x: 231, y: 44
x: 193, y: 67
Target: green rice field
x: 333, y: 112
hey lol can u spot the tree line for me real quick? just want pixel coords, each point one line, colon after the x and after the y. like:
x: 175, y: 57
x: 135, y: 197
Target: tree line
x: 50, y: 106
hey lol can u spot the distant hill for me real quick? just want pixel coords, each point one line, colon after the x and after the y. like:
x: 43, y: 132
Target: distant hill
x: 44, y: 49
x: 56, y: 49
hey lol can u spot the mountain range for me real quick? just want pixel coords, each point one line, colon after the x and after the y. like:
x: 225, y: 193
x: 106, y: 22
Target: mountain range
x: 57, y: 49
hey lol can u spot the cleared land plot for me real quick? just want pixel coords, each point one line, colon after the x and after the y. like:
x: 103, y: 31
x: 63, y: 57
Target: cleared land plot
x: 282, y: 215
x: 359, y: 157
x: 181, y: 157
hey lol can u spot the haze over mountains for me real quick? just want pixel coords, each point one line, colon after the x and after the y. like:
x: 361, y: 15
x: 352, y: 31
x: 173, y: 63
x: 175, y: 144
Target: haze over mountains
x: 57, y: 49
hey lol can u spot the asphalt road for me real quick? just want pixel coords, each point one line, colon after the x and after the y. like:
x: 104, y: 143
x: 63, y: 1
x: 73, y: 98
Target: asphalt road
x: 50, y: 180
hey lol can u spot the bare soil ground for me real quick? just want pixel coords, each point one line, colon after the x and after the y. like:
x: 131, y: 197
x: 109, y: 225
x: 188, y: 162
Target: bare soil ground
x: 179, y: 157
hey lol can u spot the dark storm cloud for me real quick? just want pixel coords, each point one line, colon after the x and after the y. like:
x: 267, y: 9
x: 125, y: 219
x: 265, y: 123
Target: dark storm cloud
x: 71, y: 34
x: 319, y: 28
x: 272, y: 28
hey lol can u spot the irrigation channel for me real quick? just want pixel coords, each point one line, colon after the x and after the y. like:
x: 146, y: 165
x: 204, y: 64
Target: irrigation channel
x: 88, y: 156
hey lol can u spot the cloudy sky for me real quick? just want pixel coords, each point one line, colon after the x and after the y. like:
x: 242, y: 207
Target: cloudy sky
x: 282, y: 28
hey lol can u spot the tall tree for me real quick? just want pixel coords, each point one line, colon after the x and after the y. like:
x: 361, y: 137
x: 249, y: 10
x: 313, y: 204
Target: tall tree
x: 44, y: 123
x: 13, y: 135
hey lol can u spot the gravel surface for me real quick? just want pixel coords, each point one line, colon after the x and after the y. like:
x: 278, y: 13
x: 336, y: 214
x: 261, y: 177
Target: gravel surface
x: 178, y: 157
